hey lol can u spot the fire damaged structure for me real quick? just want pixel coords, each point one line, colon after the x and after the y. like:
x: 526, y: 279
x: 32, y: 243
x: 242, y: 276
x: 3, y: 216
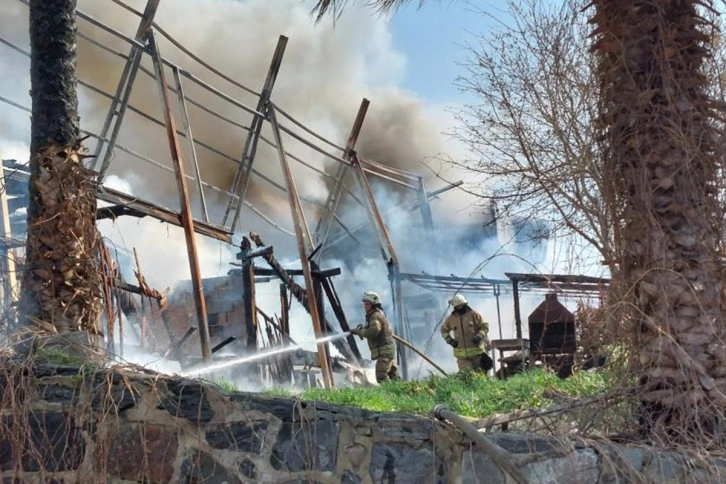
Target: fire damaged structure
x: 221, y: 313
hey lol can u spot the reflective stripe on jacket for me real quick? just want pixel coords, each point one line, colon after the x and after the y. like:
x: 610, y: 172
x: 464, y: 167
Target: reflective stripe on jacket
x: 379, y: 333
x: 465, y: 327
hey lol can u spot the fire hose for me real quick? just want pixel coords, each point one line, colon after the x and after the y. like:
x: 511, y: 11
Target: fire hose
x: 500, y: 457
x: 419, y: 352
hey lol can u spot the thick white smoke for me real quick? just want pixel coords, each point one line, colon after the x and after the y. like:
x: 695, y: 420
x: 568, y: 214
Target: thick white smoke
x: 327, y: 70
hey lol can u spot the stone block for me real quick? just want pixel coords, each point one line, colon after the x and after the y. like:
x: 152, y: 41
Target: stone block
x: 477, y: 467
x: 230, y: 293
x: 356, y: 455
x: 576, y: 468
x: 248, y: 468
x: 664, y: 467
x: 401, y: 463
x: 187, y: 399
x: 620, y: 463
x: 518, y: 443
x: 242, y: 436
x: 46, y: 441
x: 56, y: 393
x: 280, y: 407
x: 44, y: 370
x: 406, y: 429
x: 350, y: 477
x: 140, y: 452
x: 306, y: 446
x: 201, y: 467
x: 113, y: 392
x: 219, y: 307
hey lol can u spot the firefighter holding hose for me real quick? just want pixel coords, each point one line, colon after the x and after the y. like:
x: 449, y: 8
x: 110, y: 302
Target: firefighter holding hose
x: 470, y: 338
x: 379, y: 333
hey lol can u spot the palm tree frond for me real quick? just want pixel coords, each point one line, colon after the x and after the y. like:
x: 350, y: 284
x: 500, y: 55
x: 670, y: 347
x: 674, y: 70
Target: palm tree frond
x: 335, y: 7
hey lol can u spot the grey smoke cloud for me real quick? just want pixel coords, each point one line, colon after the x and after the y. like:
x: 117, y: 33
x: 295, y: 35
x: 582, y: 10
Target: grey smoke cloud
x: 326, y: 71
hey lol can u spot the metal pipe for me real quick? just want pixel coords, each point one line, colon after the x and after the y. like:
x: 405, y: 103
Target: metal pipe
x: 420, y: 353
x: 500, y: 457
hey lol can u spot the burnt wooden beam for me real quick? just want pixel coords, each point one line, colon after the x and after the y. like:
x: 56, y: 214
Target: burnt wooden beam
x: 160, y: 213
x: 223, y: 344
x: 186, y: 217
x: 323, y: 274
x: 116, y: 211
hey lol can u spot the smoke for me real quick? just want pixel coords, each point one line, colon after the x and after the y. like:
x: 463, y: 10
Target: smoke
x: 327, y: 70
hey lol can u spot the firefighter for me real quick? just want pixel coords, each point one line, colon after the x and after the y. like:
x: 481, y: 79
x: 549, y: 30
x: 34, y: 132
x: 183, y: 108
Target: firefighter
x: 470, y: 338
x: 379, y: 333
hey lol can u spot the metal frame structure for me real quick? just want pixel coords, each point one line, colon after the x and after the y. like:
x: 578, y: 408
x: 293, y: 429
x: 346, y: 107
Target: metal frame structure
x: 144, y: 43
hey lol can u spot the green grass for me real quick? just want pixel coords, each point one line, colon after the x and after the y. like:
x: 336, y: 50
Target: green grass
x: 227, y: 385
x: 471, y: 394
x: 58, y: 357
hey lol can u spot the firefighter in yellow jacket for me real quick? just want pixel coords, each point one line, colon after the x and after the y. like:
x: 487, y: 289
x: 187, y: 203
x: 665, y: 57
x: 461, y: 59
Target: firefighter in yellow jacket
x: 470, y: 338
x: 379, y: 333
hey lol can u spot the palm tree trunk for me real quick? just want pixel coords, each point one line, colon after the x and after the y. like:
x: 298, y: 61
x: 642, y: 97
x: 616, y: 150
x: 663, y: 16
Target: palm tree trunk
x: 61, y: 276
x: 660, y: 150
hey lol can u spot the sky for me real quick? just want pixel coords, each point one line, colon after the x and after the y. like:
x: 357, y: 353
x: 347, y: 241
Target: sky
x: 433, y: 40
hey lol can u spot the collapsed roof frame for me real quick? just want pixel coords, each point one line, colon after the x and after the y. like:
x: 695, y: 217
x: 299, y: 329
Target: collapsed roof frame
x: 309, y: 245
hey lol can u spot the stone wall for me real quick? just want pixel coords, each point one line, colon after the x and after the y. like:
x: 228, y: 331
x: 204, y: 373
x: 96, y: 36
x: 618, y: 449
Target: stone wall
x: 63, y: 425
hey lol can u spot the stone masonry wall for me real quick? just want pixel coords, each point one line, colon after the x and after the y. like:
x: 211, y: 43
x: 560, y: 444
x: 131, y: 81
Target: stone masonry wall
x: 67, y: 425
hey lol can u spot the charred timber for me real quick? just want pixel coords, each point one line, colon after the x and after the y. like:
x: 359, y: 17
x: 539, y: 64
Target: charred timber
x: 299, y: 293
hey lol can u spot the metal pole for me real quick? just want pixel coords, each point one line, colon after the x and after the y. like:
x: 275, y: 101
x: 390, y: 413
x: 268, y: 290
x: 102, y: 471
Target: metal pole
x: 389, y: 254
x: 123, y: 90
x: 301, y: 234
x: 331, y: 204
x: 190, y: 139
x: 241, y: 179
x: 186, y: 211
x: 428, y: 222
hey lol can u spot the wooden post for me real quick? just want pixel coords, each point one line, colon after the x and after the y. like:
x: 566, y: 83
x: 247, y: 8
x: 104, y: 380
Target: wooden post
x: 123, y: 90
x: 242, y: 176
x: 323, y: 229
x: 517, y: 315
x: 317, y: 283
x: 302, y: 235
x: 190, y: 139
x: 143, y: 304
x: 248, y: 293
x: 428, y: 222
x: 389, y: 255
x: 186, y: 211
x: 284, y: 310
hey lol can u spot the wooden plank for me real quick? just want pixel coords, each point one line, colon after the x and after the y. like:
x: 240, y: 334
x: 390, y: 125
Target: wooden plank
x: 186, y: 211
x: 160, y: 213
x: 302, y: 234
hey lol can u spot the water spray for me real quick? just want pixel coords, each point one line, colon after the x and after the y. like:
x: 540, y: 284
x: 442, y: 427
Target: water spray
x: 261, y: 356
